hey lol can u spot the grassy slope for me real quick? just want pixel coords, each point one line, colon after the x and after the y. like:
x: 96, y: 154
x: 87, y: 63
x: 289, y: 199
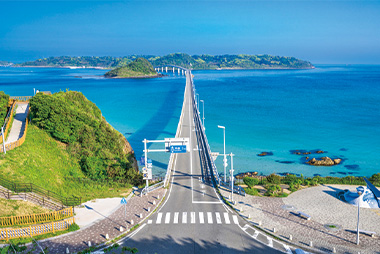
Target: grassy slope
x: 19, y: 207
x: 45, y: 162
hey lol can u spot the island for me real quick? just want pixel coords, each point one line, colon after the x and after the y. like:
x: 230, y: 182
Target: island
x: 139, y: 68
x: 195, y: 62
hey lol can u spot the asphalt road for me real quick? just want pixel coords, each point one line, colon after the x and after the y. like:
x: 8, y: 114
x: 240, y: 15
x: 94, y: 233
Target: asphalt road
x: 193, y: 219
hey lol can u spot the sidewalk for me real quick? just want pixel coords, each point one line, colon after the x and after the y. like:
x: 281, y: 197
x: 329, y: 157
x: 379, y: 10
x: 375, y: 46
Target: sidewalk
x: 325, y: 209
x: 102, y: 220
x: 18, y: 126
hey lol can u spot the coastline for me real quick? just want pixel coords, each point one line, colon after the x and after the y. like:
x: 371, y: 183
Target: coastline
x: 159, y: 75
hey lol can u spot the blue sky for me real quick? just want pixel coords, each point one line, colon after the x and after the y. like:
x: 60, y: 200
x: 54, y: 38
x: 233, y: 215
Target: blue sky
x: 318, y: 31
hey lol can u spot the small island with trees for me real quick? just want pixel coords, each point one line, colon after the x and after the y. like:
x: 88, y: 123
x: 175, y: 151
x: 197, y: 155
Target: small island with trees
x: 139, y: 68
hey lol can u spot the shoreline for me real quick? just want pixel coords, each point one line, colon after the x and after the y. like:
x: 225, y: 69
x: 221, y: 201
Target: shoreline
x: 137, y: 77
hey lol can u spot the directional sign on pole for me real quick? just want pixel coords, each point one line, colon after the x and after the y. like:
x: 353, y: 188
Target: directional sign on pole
x: 178, y: 149
x: 124, y: 202
x: 145, y: 173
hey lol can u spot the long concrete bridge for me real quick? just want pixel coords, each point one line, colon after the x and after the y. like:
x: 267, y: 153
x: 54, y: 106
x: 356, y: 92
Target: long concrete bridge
x: 193, y: 218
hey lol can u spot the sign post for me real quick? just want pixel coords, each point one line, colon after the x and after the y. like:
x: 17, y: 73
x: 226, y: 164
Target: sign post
x: 124, y: 202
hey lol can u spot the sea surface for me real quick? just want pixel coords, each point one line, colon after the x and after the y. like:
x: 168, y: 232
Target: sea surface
x: 331, y: 108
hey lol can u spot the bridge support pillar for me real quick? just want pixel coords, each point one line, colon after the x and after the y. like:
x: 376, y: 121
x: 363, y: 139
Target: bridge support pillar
x: 166, y: 69
x: 179, y: 70
x: 162, y: 69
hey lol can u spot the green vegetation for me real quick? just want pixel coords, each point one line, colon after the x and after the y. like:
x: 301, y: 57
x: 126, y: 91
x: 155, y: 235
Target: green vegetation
x: 101, y: 151
x: 19, y: 207
x: 4, y: 99
x: 5, y: 63
x: 272, y: 183
x: 138, y: 68
x: 198, y: 62
x: 47, y: 163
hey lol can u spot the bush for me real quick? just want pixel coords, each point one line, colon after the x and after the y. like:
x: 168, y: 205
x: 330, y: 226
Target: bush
x: 274, y: 179
x: 4, y: 99
x: 273, y: 190
x: 250, y: 182
x: 72, y: 119
x: 251, y: 191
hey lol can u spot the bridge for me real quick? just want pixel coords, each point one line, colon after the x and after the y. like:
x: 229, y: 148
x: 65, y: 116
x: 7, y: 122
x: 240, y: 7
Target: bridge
x: 173, y: 68
x: 193, y: 218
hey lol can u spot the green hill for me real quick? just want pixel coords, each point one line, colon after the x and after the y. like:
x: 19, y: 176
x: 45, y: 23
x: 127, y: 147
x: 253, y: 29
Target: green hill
x: 4, y: 98
x: 138, y: 68
x: 198, y: 62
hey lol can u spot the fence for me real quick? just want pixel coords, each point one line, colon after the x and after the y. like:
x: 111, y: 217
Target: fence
x: 45, y: 194
x: 10, y: 233
x: 7, y: 121
x: 20, y: 98
x: 36, y: 218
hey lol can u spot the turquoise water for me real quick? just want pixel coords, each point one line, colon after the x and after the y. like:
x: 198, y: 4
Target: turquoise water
x: 331, y: 108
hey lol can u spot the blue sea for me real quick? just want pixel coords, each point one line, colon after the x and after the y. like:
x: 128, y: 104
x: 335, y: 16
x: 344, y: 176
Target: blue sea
x: 331, y: 108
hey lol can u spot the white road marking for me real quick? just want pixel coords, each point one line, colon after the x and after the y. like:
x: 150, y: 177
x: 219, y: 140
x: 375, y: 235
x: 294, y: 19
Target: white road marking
x: 218, y: 219
x: 207, y: 202
x: 255, y: 234
x: 270, y: 242
x: 209, y: 218
x: 201, y: 218
x: 227, y: 218
x: 192, y: 216
x: 176, y: 215
x: 167, y: 218
x: 159, y: 217
x: 184, y: 217
x: 235, y: 218
x: 149, y: 221
x: 288, y: 250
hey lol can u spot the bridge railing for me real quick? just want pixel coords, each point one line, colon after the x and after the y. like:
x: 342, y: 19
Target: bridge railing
x: 213, y: 171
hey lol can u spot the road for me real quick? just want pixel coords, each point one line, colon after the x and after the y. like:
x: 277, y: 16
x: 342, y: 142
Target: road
x: 193, y: 219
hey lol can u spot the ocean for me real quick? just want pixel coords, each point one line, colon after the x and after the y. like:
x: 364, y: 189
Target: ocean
x: 333, y: 108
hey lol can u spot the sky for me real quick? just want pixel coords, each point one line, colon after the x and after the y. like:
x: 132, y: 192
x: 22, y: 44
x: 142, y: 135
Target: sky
x: 323, y: 32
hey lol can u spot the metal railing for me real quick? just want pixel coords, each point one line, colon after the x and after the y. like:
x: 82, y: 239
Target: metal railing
x: 212, y: 170
x: 20, y: 98
x: 45, y: 194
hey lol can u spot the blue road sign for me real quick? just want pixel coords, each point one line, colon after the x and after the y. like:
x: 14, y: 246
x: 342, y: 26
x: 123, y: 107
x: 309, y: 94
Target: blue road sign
x: 178, y: 149
x: 142, y: 161
x: 123, y: 201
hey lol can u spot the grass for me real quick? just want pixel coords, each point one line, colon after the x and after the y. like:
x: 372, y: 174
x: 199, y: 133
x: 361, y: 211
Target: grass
x: 19, y: 207
x: 20, y: 241
x: 45, y: 162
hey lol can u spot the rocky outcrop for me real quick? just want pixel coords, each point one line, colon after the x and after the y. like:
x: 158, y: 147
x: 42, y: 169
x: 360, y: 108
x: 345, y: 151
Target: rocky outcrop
x: 265, y: 154
x: 324, y: 161
x: 249, y: 174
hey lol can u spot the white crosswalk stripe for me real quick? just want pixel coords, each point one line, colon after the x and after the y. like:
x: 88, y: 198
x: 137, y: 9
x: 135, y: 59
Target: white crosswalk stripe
x: 227, y: 218
x: 195, y: 217
x: 235, y: 218
x: 176, y: 215
x: 159, y: 217
x: 218, y: 219
x: 201, y: 218
x: 192, y: 216
x: 167, y: 218
x: 209, y: 218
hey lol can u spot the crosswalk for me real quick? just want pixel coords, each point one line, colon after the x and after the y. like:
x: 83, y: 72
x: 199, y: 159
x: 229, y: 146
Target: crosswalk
x: 194, y: 218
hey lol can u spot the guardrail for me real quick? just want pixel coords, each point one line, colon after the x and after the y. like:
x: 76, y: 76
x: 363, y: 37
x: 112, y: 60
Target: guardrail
x: 20, y: 98
x: 36, y: 218
x: 46, y: 194
x: 10, y: 233
x: 212, y: 170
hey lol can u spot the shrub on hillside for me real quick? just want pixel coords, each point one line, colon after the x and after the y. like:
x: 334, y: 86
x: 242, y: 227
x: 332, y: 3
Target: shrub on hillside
x: 250, y: 182
x: 4, y: 98
x: 72, y: 119
x: 274, y: 179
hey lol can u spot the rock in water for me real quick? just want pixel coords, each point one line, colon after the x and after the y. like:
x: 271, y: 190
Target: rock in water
x: 324, y: 161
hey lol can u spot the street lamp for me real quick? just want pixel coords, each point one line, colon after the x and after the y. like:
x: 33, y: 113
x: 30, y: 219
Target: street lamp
x: 203, y: 114
x: 360, y: 191
x: 224, y: 151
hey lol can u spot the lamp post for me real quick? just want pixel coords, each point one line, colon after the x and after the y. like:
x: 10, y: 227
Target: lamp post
x: 203, y: 114
x: 232, y: 176
x: 357, y: 228
x: 224, y: 151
